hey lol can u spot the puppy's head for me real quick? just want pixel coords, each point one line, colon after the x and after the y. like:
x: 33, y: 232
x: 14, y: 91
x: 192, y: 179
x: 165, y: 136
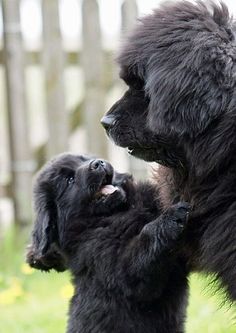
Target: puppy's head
x: 180, y: 67
x: 69, y: 192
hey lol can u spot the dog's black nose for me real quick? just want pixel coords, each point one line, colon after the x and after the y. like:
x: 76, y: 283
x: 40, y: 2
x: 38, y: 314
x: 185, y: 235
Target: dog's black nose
x: 108, y: 121
x: 96, y: 164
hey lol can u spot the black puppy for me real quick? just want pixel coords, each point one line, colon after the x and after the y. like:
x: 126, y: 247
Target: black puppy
x: 180, y: 66
x: 110, y: 233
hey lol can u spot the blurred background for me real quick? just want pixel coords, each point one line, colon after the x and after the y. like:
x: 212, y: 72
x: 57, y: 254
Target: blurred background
x: 57, y: 78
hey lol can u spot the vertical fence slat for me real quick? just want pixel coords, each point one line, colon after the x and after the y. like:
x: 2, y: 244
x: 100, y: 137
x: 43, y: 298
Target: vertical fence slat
x: 129, y: 12
x: 53, y: 61
x: 21, y: 163
x: 92, y: 62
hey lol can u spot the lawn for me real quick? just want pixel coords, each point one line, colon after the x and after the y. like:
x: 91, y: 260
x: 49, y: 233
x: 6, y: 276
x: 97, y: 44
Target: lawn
x: 35, y: 302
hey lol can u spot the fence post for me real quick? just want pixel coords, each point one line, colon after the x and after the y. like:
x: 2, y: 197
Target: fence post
x: 22, y: 165
x: 53, y: 62
x: 129, y: 12
x: 92, y: 63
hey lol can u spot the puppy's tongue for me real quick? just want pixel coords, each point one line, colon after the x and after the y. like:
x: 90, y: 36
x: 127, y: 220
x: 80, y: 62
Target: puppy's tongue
x: 108, y: 189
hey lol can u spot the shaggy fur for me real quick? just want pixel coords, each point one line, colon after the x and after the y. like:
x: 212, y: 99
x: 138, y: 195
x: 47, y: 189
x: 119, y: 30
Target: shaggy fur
x: 109, y: 232
x: 180, y: 110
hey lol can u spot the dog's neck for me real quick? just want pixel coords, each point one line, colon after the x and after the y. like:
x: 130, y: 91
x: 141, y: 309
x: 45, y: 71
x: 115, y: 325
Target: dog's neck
x: 208, y: 190
x: 201, y: 189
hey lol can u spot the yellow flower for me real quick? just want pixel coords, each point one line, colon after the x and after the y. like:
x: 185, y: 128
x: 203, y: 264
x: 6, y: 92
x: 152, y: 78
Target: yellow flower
x: 26, y: 269
x: 6, y: 297
x: 9, y: 295
x: 16, y: 287
x: 67, y: 291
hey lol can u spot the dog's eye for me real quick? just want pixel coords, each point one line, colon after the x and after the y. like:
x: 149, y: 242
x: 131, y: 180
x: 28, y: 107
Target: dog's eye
x: 133, y: 81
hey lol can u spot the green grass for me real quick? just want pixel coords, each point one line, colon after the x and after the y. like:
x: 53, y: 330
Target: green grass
x: 40, y: 310
x: 39, y: 306
x: 208, y: 313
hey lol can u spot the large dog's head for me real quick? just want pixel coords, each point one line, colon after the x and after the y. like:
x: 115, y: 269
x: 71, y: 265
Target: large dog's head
x: 180, y: 67
x: 70, y: 193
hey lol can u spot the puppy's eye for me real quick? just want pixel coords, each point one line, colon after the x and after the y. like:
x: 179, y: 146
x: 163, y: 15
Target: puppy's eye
x: 70, y: 180
x: 68, y: 175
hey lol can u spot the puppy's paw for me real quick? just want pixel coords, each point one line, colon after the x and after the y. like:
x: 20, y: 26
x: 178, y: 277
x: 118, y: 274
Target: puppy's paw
x: 179, y: 213
x: 167, y: 229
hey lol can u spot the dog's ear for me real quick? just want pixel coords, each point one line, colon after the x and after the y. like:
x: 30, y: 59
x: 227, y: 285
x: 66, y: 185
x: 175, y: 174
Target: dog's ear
x: 44, y: 253
x: 185, y: 104
x: 190, y: 76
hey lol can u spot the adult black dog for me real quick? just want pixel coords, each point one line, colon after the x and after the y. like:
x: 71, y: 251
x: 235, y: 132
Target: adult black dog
x: 180, y: 110
x: 104, y: 227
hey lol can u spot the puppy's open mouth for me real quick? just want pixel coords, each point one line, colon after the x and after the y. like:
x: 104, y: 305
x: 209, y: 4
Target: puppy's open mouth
x: 107, y: 191
x: 106, y: 188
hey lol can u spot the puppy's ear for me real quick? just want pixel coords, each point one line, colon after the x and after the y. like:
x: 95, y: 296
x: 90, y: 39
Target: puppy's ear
x: 44, y: 253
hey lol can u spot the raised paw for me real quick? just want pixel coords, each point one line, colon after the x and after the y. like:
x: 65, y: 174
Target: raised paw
x: 179, y: 213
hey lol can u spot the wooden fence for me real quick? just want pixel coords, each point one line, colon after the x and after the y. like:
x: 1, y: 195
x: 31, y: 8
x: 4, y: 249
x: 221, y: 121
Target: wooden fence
x: 99, y: 79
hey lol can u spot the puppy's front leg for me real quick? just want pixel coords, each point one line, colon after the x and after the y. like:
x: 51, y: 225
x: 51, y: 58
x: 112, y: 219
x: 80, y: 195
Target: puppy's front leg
x: 160, y: 235
x: 152, y: 250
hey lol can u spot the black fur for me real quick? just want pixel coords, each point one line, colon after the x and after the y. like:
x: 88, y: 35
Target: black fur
x: 119, y: 247
x: 180, y: 110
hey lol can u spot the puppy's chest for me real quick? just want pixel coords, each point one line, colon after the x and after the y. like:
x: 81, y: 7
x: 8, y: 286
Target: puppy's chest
x: 102, y: 247
x: 122, y: 228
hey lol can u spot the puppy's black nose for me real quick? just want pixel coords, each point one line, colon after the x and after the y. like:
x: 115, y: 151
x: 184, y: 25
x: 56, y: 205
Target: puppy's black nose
x: 96, y: 164
x: 108, y: 121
